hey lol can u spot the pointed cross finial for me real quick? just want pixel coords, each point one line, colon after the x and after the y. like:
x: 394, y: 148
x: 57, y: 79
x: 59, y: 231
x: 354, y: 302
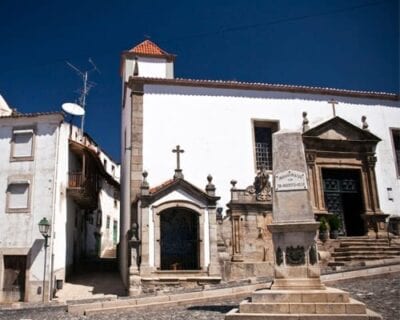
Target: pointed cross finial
x: 178, y: 171
x: 333, y: 102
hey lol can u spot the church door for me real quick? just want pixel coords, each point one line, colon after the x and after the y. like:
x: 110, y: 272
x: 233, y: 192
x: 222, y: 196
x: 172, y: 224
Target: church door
x: 342, y: 191
x: 179, y: 241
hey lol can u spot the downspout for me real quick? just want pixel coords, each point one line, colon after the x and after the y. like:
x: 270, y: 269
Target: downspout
x: 53, y: 218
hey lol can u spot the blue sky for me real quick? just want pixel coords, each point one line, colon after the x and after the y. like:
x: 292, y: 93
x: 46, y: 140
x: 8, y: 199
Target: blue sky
x: 350, y: 44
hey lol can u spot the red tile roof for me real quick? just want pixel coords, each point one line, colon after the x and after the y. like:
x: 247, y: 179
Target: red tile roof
x: 161, y: 186
x: 268, y: 87
x: 150, y: 48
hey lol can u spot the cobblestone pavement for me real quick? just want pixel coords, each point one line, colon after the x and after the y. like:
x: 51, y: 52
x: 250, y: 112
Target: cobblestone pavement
x: 381, y: 294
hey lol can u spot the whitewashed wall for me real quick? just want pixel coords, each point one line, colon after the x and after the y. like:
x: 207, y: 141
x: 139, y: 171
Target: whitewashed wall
x: 20, y: 230
x: 214, y: 127
x: 149, y: 67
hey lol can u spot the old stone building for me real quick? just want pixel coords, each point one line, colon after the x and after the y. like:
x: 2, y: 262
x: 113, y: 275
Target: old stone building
x: 51, y: 173
x: 225, y: 128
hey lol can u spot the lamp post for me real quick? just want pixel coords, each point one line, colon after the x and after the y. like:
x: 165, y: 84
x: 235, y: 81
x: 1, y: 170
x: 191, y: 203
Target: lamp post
x: 44, y: 228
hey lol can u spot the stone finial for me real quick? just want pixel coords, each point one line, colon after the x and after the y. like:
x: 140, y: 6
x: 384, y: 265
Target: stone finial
x: 305, y: 122
x: 210, y: 187
x: 364, y: 123
x: 219, y: 215
x: 134, y: 230
x: 145, y: 185
x: 233, y: 183
x: 136, y: 68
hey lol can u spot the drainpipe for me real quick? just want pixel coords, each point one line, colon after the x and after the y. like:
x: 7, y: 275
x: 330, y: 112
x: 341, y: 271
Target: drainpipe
x: 53, y: 218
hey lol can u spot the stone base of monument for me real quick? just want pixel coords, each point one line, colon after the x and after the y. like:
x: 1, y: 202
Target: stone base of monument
x: 329, y: 303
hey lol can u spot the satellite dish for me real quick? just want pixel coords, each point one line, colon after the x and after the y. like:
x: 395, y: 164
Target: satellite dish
x: 73, y: 108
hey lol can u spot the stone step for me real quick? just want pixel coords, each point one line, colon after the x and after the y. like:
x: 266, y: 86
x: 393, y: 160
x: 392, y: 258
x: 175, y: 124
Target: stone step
x: 235, y: 315
x: 352, y: 307
x: 336, y: 264
x: 364, y: 248
x: 363, y: 243
x: 363, y: 238
x: 365, y: 252
x: 363, y: 258
x: 297, y: 296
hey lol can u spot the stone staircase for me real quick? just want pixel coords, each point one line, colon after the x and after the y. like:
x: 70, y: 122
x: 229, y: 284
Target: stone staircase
x: 109, y: 253
x: 359, y: 250
x: 301, y: 304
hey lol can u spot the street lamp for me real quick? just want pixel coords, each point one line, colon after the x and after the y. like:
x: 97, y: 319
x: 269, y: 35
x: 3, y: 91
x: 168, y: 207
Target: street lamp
x: 44, y: 228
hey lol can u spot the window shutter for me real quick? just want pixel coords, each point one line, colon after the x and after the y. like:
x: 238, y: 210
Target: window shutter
x: 23, y: 144
x: 18, y: 195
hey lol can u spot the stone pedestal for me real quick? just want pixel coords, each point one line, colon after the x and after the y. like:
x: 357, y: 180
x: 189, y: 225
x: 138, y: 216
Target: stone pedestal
x: 297, y: 291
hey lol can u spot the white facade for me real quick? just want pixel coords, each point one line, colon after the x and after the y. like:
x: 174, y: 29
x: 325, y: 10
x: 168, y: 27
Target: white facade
x: 214, y: 122
x: 36, y: 161
x: 215, y: 128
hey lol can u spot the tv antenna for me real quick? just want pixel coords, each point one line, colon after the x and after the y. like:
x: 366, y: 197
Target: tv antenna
x: 87, y: 85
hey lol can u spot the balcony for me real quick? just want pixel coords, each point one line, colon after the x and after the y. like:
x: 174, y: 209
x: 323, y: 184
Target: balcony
x: 83, y: 189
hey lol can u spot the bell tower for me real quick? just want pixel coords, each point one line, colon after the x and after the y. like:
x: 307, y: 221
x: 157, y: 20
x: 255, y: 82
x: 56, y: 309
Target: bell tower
x: 147, y: 60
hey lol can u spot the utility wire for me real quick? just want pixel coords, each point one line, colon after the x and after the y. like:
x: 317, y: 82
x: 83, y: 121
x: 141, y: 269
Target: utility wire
x: 231, y: 29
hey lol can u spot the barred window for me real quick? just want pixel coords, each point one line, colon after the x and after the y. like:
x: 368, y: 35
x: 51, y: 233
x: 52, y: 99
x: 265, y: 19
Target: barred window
x: 263, y: 143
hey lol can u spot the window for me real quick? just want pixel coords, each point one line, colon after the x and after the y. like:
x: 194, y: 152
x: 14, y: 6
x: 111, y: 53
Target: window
x: 108, y: 222
x: 263, y: 143
x: 22, y: 144
x: 113, y: 170
x: 18, y: 196
x: 396, y: 147
x: 105, y: 164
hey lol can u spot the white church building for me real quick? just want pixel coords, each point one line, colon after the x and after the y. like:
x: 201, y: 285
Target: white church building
x: 51, y: 172
x: 351, y: 139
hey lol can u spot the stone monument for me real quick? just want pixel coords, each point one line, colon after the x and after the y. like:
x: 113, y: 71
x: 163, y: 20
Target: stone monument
x: 297, y: 291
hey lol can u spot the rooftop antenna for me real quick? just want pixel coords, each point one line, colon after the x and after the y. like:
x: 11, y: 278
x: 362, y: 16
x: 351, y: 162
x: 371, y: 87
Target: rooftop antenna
x: 87, y: 85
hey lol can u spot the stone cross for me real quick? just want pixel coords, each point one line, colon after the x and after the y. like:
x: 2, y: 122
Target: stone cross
x: 178, y: 151
x: 333, y: 103
x: 178, y: 171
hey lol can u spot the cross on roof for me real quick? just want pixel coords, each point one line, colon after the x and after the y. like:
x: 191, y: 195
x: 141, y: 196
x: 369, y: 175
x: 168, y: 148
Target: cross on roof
x: 333, y: 103
x: 178, y: 171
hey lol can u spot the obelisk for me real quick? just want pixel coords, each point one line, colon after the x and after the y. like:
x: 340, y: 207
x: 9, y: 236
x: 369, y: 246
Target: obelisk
x: 293, y: 228
x: 297, y: 291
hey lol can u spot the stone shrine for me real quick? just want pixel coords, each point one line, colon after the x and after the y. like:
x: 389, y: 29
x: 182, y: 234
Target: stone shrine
x: 297, y: 291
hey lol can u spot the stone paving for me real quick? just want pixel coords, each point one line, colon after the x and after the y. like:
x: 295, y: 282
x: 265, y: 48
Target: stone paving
x: 381, y: 294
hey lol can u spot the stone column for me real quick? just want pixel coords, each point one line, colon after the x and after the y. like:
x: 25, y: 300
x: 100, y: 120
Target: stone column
x: 135, y: 287
x: 293, y: 228
x: 236, y: 250
x: 213, y: 268
x: 375, y: 218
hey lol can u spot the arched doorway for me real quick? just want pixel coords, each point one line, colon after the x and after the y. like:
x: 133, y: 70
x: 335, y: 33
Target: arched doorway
x: 179, y: 239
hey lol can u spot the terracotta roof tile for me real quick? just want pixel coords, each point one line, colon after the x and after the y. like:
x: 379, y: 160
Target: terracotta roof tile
x: 17, y: 114
x: 270, y: 87
x: 148, y: 47
x: 161, y: 186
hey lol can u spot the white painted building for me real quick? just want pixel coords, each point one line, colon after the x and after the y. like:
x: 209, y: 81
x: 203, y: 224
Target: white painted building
x: 49, y: 170
x: 225, y: 128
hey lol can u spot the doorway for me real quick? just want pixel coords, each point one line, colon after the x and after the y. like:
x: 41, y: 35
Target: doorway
x: 14, y: 278
x: 342, y: 193
x: 179, y: 239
